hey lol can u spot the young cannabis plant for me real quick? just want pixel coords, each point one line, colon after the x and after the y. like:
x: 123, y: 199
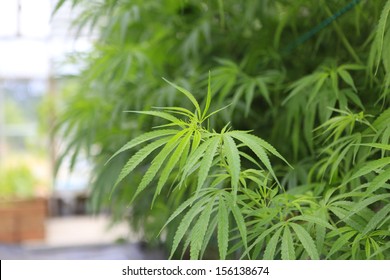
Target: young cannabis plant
x: 188, y: 149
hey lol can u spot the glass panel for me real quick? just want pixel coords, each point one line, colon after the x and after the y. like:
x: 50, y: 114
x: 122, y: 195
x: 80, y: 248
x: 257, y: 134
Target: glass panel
x: 24, y: 164
x: 8, y: 18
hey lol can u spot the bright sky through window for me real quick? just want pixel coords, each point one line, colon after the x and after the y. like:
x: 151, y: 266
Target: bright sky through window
x: 27, y: 18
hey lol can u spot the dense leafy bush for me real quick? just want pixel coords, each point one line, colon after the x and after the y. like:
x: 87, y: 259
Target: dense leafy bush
x: 311, y: 177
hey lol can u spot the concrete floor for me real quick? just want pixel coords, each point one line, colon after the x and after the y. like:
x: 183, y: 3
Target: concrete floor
x: 84, y: 252
x: 82, y: 238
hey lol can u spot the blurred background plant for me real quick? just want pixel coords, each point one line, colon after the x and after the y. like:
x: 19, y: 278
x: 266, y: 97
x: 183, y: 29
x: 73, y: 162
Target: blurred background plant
x: 17, y: 182
x: 319, y: 95
x: 24, y: 170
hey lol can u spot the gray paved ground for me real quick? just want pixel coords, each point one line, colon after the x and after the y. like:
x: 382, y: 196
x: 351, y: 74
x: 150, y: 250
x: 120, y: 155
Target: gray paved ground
x: 81, y: 238
x: 85, y: 252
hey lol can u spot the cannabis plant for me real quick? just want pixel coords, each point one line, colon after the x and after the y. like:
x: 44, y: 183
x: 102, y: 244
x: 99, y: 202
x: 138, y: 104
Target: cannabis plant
x: 282, y: 154
x: 213, y: 159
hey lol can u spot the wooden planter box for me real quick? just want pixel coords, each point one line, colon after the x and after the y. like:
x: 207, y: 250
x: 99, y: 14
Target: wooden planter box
x: 22, y: 220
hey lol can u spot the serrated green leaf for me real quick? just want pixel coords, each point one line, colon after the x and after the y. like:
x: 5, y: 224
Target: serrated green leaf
x: 136, y: 159
x: 349, y: 66
x: 354, y: 98
x: 300, y: 85
x: 347, y: 78
x: 207, y: 159
x: 253, y: 143
x: 208, y: 98
x: 216, y: 111
x: 251, y: 159
x: 260, y: 238
x: 233, y: 159
x: 157, y: 162
x: 308, y: 128
x: 377, y: 145
x: 162, y: 115
x: 335, y: 82
x: 177, y: 110
x: 219, y: 178
x: 356, y: 247
x: 199, y: 231
x: 196, y: 140
x: 370, y: 167
x: 367, y: 248
x: 382, y: 249
x: 313, y: 219
x: 209, y: 234
x: 186, y: 222
x: 318, y: 85
x: 242, y: 135
x: 223, y: 228
x: 184, y: 156
x: 364, y: 203
x: 173, y: 160
x: 337, y: 157
x: 340, y: 242
x: 342, y: 215
x: 271, y: 246
x: 180, y: 209
x: 306, y: 241
x: 239, y: 218
x: 249, y: 93
x: 379, y: 181
x: 263, y: 90
x: 193, y: 159
x: 186, y: 245
x: 288, y: 251
x: 189, y: 96
x: 377, y: 219
x: 144, y: 138
x: 339, y: 231
x: 321, y: 230
x: 380, y: 32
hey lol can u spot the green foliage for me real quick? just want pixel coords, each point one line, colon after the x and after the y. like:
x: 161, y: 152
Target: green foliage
x: 17, y: 182
x: 284, y: 153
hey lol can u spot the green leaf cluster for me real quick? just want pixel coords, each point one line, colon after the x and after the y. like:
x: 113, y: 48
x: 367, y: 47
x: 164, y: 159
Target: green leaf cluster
x: 199, y: 159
